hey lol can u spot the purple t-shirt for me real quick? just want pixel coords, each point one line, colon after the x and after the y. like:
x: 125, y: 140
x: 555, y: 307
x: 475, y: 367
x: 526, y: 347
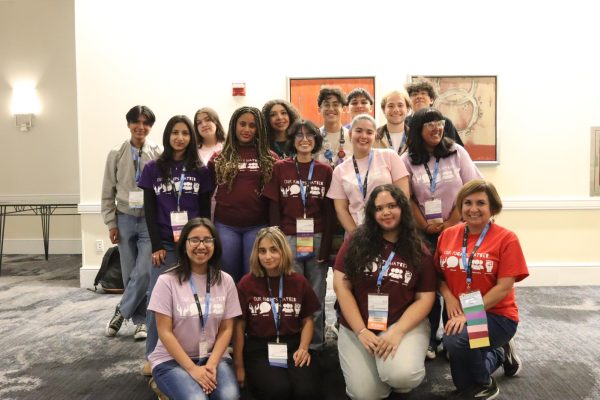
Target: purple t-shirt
x: 454, y: 172
x: 195, y: 182
x: 176, y: 300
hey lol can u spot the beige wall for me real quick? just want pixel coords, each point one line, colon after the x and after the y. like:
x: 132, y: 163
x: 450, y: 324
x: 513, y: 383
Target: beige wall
x: 37, y: 44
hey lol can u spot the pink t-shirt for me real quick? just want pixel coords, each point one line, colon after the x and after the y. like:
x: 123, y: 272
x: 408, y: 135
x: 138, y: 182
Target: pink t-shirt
x: 176, y: 300
x: 205, y: 153
x: 386, y: 167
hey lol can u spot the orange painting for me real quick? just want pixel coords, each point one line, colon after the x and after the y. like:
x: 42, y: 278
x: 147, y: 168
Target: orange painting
x: 303, y: 93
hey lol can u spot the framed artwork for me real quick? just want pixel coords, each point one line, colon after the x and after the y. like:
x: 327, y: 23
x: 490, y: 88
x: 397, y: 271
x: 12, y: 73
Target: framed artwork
x: 595, y: 162
x: 470, y: 103
x: 303, y: 94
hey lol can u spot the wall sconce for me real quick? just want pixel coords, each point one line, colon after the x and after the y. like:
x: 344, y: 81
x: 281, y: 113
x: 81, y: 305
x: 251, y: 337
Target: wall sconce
x: 25, y: 104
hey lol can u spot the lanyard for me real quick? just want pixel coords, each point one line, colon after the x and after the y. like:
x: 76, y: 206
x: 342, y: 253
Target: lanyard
x: 181, y: 181
x: 389, y: 139
x: 464, y: 252
x: 363, y: 186
x: 137, y: 161
x: 276, y: 315
x: 432, y: 179
x: 328, y: 154
x: 303, y: 191
x: 384, y: 270
x: 203, y: 318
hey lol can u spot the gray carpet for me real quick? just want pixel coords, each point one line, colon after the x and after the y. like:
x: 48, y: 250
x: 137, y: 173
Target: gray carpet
x: 53, y: 347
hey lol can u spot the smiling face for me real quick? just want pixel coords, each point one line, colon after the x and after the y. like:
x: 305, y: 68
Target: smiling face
x: 245, y: 129
x: 200, y: 254
x: 362, y: 136
x: 206, y: 127
x: 269, y: 256
x: 475, y: 211
x: 432, y: 134
x: 279, y: 118
x: 139, y: 129
x: 395, y: 110
x: 180, y: 138
x: 331, y: 109
x: 387, y: 212
x: 420, y: 99
x: 359, y: 105
x: 304, y: 142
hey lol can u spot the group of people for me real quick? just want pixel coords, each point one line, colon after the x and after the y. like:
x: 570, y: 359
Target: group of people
x: 226, y: 240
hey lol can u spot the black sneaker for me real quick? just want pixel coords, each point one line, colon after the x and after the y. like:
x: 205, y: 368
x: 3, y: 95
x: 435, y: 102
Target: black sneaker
x: 115, y: 323
x: 481, y: 392
x: 512, y: 363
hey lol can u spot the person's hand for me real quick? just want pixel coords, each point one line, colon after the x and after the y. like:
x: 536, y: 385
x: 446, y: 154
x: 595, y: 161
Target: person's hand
x: 453, y: 308
x: 158, y: 257
x: 434, y: 228
x: 301, y: 358
x: 455, y: 325
x: 205, y: 376
x: 240, y: 375
x: 369, y: 340
x: 388, y: 344
x: 113, y: 235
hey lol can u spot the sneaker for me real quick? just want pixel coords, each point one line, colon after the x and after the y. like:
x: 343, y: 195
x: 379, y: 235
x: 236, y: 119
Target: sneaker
x: 115, y: 323
x: 147, y: 369
x: 430, y: 355
x: 140, y: 332
x: 512, y: 363
x: 487, y: 392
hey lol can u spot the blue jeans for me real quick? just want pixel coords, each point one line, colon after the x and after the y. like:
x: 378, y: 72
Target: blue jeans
x: 237, y: 245
x: 135, y: 253
x: 475, y: 366
x: 316, y: 274
x: 176, y: 383
x: 170, y: 260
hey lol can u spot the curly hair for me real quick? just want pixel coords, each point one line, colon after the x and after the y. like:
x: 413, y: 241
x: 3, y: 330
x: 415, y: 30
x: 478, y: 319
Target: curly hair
x: 421, y: 85
x: 191, y: 161
x: 227, y: 162
x: 416, y: 145
x: 293, y: 115
x: 367, y: 243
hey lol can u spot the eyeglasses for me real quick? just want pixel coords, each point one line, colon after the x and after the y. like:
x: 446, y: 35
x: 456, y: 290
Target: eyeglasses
x: 307, y: 136
x: 434, y: 124
x: 195, y: 241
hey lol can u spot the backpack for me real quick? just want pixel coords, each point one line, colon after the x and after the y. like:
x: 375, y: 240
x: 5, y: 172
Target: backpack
x: 109, y: 276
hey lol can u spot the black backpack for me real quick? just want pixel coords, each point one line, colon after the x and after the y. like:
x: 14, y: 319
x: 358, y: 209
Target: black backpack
x: 109, y: 276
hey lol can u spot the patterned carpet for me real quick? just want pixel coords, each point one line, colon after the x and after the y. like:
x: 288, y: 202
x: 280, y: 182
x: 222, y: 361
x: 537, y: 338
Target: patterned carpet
x: 53, y: 347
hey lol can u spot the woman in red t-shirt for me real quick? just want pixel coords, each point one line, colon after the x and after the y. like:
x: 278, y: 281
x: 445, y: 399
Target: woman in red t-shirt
x: 271, y: 338
x: 482, y: 261
x: 385, y: 284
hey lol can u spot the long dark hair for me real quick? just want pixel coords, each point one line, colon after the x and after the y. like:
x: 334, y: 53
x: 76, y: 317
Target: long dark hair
x: 184, y: 268
x: 416, y: 145
x: 293, y: 115
x: 214, y: 118
x: 367, y: 242
x: 190, y: 159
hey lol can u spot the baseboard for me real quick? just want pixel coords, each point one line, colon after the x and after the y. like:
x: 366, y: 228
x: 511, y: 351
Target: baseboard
x: 87, y: 274
x: 36, y: 246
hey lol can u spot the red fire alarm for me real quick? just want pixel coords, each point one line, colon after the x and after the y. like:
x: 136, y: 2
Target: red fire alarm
x: 238, y: 89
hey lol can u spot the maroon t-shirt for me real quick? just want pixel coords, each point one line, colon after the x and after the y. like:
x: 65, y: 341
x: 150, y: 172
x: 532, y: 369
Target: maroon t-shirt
x: 400, y: 282
x: 285, y: 189
x: 242, y: 206
x: 299, y: 302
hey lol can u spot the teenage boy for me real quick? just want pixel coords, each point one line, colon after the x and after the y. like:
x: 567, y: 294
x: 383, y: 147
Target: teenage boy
x: 360, y: 101
x: 336, y: 143
x: 392, y: 135
x: 123, y: 213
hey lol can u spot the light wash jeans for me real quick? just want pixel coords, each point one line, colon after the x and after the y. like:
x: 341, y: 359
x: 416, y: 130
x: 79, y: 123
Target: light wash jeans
x: 176, y: 383
x: 135, y: 253
x: 316, y: 274
x: 170, y: 260
x: 475, y: 366
x: 237, y: 245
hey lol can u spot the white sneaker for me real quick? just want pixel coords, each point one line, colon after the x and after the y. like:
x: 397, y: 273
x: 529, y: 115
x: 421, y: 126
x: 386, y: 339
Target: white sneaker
x: 140, y: 332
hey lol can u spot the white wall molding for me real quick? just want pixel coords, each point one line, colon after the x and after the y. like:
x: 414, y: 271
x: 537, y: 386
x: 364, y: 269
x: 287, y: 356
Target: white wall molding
x: 36, y: 246
x: 54, y: 197
x: 88, y: 208
x: 87, y: 275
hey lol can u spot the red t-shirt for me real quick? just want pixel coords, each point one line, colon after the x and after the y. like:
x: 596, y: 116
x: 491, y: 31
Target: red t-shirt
x: 499, y: 256
x: 400, y: 282
x: 242, y: 206
x: 285, y: 189
x: 299, y: 302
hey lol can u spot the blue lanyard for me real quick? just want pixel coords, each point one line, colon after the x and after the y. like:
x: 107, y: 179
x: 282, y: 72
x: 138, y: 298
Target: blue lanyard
x: 384, y: 270
x: 276, y: 315
x: 362, y: 186
x: 181, y: 181
x: 304, y: 192
x: 137, y: 160
x: 203, y: 317
x: 466, y: 264
x: 432, y: 179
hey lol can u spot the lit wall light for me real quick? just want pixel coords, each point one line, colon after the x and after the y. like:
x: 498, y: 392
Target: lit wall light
x: 25, y: 104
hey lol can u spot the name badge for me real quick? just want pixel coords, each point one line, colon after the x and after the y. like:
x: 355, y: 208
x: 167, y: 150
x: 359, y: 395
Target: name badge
x: 136, y: 199
x: 378, y: 311
x: 203, y: 349
x: 178, y: 220
x: 305, y: 233
x: 477, y: 327
x: 360, y: 217
x: 278, y: 355
x: 433, y: 211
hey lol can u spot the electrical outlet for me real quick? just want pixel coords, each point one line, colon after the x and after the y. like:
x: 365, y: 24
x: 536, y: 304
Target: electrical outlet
x: 99, y: 245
